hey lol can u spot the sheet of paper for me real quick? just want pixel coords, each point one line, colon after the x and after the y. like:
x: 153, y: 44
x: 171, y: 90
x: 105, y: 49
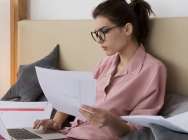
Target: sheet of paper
x: 67, y: 90
x: 180, y: 120
x: 144, y: 120
x: 3, y: 131
x: 23, y: 114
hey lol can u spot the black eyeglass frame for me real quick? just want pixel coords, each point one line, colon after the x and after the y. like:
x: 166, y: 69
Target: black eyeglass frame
x: 101, y: 33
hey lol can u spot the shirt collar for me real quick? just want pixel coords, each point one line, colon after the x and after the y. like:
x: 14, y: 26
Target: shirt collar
x: 134, y: 65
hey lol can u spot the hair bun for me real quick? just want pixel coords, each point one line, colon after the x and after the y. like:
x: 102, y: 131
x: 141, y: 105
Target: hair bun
x: 140, y: 6
x: 135, y: 2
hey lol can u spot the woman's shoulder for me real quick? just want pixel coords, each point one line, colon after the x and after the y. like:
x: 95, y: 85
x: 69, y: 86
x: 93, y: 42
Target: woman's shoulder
x: 153, y: 63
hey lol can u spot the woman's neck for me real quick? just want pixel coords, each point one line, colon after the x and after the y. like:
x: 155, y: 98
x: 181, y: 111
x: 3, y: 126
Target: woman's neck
x: 127, y: 53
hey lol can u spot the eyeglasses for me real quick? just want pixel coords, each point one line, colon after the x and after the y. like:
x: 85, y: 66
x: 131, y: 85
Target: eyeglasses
x: 99, y: 35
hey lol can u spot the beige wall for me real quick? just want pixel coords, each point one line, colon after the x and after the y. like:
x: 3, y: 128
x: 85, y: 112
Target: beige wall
x: 4, y: 46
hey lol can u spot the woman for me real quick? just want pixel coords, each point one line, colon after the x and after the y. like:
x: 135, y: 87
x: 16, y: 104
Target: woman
x: 129, y: 80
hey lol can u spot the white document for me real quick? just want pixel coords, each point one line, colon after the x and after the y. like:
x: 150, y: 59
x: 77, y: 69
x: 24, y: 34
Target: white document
x: 23, y: 114
x: 67, y: 90
x: 3, y: 131
x: 177, y: 123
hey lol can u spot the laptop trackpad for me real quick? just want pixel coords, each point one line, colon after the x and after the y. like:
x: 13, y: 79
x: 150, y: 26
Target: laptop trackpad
x: 50, y: 135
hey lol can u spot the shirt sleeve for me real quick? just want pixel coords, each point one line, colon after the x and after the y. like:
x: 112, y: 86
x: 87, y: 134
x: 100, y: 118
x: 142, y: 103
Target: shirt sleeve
x: 153, y: 99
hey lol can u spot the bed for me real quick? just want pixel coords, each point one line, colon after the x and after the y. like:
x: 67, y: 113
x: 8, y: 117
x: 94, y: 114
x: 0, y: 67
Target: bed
x: 167, y: 41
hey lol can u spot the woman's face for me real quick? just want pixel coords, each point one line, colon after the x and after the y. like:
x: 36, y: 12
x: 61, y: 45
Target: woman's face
x: 115, y: 38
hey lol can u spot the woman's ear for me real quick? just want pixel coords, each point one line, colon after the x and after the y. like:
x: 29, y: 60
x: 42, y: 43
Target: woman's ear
x: 128, y: 29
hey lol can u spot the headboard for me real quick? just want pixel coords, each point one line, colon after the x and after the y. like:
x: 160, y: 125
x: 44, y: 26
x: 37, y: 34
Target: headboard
x: 78, y: 51
x: 168, y: 42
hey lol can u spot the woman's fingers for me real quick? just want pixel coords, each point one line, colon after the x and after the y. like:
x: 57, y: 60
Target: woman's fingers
x: 94, y: 115
x: 45, y: 124
x: 88, y: 108
x: 88, y: 115
x: 97, y: 116
x: 88, y: 112
x: 35, y: 125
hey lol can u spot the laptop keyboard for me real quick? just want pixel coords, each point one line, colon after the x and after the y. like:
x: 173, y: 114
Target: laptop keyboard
x: 22, y: 134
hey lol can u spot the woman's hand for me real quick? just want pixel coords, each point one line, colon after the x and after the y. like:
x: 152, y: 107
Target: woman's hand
x: 96, y: 116
x: 54, y: 124
x: 100, y: 117
x: 46, y: 124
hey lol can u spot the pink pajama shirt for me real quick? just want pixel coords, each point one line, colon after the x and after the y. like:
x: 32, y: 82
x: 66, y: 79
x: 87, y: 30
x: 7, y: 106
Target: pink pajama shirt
x: 140, y: 89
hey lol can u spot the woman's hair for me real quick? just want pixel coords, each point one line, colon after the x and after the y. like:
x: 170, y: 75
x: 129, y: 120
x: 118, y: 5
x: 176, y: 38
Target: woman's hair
x: 119, y: 12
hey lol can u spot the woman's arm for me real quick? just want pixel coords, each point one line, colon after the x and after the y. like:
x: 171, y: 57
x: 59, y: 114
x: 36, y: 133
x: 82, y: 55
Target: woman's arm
x: 60, y: 117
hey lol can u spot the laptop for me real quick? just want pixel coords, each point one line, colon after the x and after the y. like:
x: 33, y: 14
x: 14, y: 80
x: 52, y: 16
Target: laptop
x: 28, y: 134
